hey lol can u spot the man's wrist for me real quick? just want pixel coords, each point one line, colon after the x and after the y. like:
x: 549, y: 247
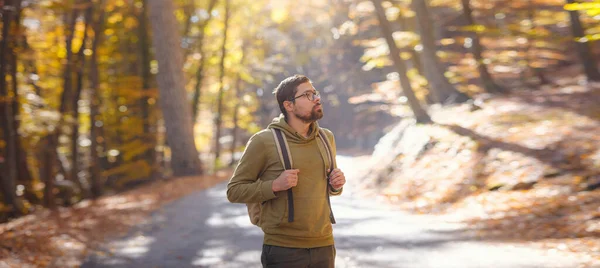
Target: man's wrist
x: 267, y: 190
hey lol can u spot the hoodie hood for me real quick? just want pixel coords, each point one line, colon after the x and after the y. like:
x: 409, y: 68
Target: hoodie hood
x: 291, y: 134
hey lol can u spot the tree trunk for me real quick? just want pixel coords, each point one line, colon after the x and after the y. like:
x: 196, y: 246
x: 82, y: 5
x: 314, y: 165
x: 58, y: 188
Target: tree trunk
x: 236, y: 108
x: 80, y: 60
x: 68, y: 72
x: 50, y: 146
x: 23, y: 170
x: 97, y: 185
x: 488, y: 83
x: 198, y: 88
x: 9, y: 166
x: 219, y: 117
x: 583, y: 48
x: 67, y: 91
x: 171, y: 81
x: 420, y: 114
x: 48, y: 156
x: 200, y: 71
x: 237, y: 100
x: 443, y: 91
x: 144, y: 47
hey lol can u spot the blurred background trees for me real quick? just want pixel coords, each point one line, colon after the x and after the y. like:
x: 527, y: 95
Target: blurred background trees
x: 97, y: 96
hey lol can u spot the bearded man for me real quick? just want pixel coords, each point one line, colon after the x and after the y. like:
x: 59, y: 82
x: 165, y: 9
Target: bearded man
x: 297, y: 234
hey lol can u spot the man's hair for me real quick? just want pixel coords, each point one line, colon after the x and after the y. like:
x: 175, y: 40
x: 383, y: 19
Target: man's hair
x: 287, y: 89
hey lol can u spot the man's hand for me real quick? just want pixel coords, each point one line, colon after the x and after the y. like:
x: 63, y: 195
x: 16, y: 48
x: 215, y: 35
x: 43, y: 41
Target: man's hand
x: 337, y: 179
x: 287, y: 180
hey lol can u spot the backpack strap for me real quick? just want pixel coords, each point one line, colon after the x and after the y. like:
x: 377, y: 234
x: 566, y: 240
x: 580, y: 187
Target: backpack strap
x: 286, y: 159
x: 332, y: 165
x: 325, y: 141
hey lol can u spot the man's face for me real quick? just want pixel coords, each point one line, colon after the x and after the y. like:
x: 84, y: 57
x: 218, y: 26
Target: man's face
x: 307, y: 104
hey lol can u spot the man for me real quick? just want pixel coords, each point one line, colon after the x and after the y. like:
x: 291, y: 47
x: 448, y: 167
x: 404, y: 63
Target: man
x: 307, y: 240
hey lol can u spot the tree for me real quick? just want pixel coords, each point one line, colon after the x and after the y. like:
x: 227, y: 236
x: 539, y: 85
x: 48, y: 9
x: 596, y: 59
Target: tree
x: 585, y: 55
x: 219, y: 115
x: 80, y: 61
x: 9, y: 167
x: 18, y: 44
x: 440, y: 87
x: 237, y: 101
x: 173, y: 102
x: 200, y: 70
x: 477, y: 50
x: 51, y: 142
x: 145, y: 57
x: 420, y: 114
x: 97, y: 185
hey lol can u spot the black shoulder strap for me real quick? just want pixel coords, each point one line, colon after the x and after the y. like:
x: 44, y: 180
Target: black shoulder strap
x: 286, y: 159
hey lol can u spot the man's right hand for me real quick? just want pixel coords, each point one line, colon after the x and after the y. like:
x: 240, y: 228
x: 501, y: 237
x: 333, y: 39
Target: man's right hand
x: 287, y: 180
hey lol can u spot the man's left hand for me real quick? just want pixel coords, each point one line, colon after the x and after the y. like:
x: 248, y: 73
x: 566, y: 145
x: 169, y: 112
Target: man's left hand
x: 337, y: 179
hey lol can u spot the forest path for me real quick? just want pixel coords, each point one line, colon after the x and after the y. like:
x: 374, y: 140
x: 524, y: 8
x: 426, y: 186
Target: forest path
x: 205, y: 230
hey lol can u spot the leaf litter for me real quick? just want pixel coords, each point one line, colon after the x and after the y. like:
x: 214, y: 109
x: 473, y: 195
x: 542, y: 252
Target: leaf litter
x: 62, y: 238
x: 518, y: 168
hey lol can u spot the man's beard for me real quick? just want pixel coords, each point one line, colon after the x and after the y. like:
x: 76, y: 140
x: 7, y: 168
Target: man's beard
x: 314, y: 115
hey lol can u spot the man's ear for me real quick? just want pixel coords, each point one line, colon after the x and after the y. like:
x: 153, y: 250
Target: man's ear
x: 288, y: 105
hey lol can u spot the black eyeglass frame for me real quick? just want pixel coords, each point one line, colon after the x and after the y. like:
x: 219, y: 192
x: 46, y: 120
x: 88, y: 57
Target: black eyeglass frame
x: 315, y: 93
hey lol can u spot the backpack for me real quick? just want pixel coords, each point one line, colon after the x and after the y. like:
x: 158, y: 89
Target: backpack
x: 285, y: 156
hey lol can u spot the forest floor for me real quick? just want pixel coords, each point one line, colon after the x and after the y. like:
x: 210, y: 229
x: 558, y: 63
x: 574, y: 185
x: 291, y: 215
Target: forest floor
x: 518, y: 168
x: 62, y: 238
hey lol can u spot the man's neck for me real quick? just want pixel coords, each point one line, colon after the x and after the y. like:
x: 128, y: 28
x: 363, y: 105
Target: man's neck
x: 299, y: 126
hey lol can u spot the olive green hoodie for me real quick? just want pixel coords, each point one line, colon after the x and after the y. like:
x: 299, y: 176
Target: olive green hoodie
x: 260, y: 165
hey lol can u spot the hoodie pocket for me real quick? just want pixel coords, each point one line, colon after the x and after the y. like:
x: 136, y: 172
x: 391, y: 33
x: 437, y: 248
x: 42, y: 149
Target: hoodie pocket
x: 274, y: 212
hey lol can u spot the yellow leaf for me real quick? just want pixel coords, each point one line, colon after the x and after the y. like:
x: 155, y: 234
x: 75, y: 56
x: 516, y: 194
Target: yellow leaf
x: 279, y: 15
x: 581, y: 6
x: 117, y: 17
x: 126, y: 168
x: 61, y: 53
x: 130, y: 154
x: 130, y: 23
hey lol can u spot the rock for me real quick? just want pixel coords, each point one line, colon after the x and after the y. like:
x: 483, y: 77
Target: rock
x: 519, y: 186
x: 523, y: 186
x: 552, y: 172
x: 592, y: 183
x: 496, y: 187
x: 591, y: 187
x: 475, y: 105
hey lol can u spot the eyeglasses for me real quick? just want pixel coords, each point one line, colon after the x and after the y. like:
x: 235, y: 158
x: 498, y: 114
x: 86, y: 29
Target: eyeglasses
x: 310, y: 95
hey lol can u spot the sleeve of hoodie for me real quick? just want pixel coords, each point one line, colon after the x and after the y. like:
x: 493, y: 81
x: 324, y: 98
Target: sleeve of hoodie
x: 331, y: 139
x: 244, y: 186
